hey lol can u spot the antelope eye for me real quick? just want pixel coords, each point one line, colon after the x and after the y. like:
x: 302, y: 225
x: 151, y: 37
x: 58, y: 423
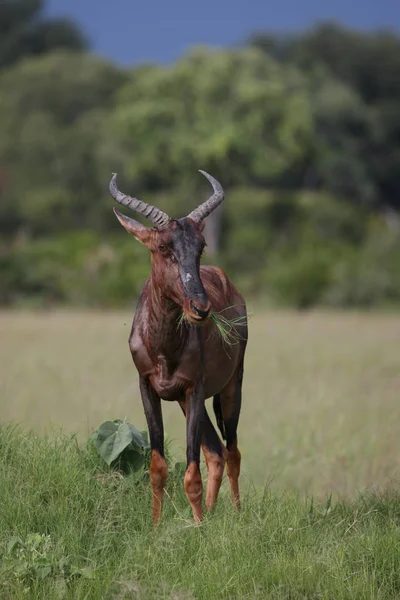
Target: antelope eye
x: 163, y: 248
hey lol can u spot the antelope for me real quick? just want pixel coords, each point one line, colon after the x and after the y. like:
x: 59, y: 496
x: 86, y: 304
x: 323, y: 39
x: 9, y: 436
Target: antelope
x: 187, y: 363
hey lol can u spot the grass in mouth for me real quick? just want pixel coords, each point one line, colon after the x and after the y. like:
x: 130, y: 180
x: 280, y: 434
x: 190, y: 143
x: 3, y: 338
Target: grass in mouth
x: 225, y: 327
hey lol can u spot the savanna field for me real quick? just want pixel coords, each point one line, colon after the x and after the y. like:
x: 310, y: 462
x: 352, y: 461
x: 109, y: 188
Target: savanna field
x: 319, y: 436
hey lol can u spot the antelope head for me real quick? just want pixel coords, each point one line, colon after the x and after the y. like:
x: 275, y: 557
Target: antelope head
x: 176, y: 246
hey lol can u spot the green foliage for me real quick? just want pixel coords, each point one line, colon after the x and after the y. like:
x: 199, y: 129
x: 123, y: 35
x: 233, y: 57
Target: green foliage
x: 301, y: 280
x: 25, y: 563
x: 51, y: 109
x: 303, y: 137
x: 299, y: 249
x: 167, y: 122
x: 371, y: 277
x: 24, y: 31
x: 75, y: 268
x: 365, y: 67
x: 122, y: 446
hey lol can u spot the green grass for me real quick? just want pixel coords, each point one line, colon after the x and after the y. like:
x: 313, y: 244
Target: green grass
x: 320, y: 424
x: 320, y: 413
x: 229, y: 330
x: 99, y: 541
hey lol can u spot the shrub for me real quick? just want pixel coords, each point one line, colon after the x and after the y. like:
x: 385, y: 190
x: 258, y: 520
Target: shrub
x: 372, y: 277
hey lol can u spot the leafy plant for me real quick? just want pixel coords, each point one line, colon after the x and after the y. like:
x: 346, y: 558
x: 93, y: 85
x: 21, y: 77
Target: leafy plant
x: 122, y: 446
x: 36, y: 558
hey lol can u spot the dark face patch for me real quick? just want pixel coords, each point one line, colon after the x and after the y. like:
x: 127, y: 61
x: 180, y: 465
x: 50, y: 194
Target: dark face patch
x: 187, y: 246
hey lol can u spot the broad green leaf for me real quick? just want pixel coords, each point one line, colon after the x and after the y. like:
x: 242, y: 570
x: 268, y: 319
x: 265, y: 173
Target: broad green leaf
x: 136, y: 461
x: 112, y: 439
x: 133, y: 462
x: 138, y: 439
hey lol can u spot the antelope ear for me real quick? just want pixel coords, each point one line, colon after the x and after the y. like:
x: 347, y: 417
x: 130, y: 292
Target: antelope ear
x: 202, y: 225
x: 141, y: 233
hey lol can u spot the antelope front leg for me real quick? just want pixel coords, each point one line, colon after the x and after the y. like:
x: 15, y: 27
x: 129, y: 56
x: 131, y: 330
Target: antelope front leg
x: 158, y: 465
x: 194, y: 424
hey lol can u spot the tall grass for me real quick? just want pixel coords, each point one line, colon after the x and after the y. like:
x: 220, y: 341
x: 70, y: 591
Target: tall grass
x: 95, y: 538
x: 320, y: 408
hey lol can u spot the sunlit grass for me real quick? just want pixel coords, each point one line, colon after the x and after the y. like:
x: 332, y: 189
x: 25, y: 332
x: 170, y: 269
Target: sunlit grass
x: 99, y: 541
x: 320, y: 410
x: 320, y: 421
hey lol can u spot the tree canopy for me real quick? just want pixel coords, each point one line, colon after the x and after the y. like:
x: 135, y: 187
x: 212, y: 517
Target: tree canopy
x: 24, y: 31
x: 303, y: 132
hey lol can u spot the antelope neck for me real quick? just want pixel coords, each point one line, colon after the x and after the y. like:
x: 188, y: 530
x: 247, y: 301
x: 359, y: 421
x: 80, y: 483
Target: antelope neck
x: 163, y: 325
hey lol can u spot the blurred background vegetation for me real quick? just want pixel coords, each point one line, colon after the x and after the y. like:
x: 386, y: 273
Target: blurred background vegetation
x: 302, y: 130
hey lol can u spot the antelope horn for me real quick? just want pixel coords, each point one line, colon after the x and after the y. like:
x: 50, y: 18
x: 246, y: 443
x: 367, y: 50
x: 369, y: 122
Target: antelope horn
x: 202, y: 211
x: 155, y: 215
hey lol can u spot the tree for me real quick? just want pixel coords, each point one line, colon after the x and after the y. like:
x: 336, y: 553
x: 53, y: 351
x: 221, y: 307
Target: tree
x: 234, y: 113
x: 24, y: 31
x: 367, y: 61
x: 51, y: 112
x: 360, y: 151
x: 342, y: 143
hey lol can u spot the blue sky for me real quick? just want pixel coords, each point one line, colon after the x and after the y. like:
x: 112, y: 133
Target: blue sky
x: 129, y: 32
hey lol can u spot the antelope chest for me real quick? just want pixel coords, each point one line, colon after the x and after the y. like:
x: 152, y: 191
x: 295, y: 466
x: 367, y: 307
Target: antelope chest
x: 170, y: 383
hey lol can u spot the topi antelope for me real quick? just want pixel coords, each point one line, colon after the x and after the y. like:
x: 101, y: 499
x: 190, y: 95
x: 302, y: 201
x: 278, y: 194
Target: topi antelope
x: 190, y: 362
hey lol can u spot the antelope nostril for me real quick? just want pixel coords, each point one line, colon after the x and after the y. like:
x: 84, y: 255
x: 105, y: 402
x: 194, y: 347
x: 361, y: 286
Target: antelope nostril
x: 202, y: 313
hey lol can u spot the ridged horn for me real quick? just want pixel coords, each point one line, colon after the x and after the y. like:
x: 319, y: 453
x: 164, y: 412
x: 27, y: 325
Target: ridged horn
x: 202, y: 211
x: 155, y: 215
